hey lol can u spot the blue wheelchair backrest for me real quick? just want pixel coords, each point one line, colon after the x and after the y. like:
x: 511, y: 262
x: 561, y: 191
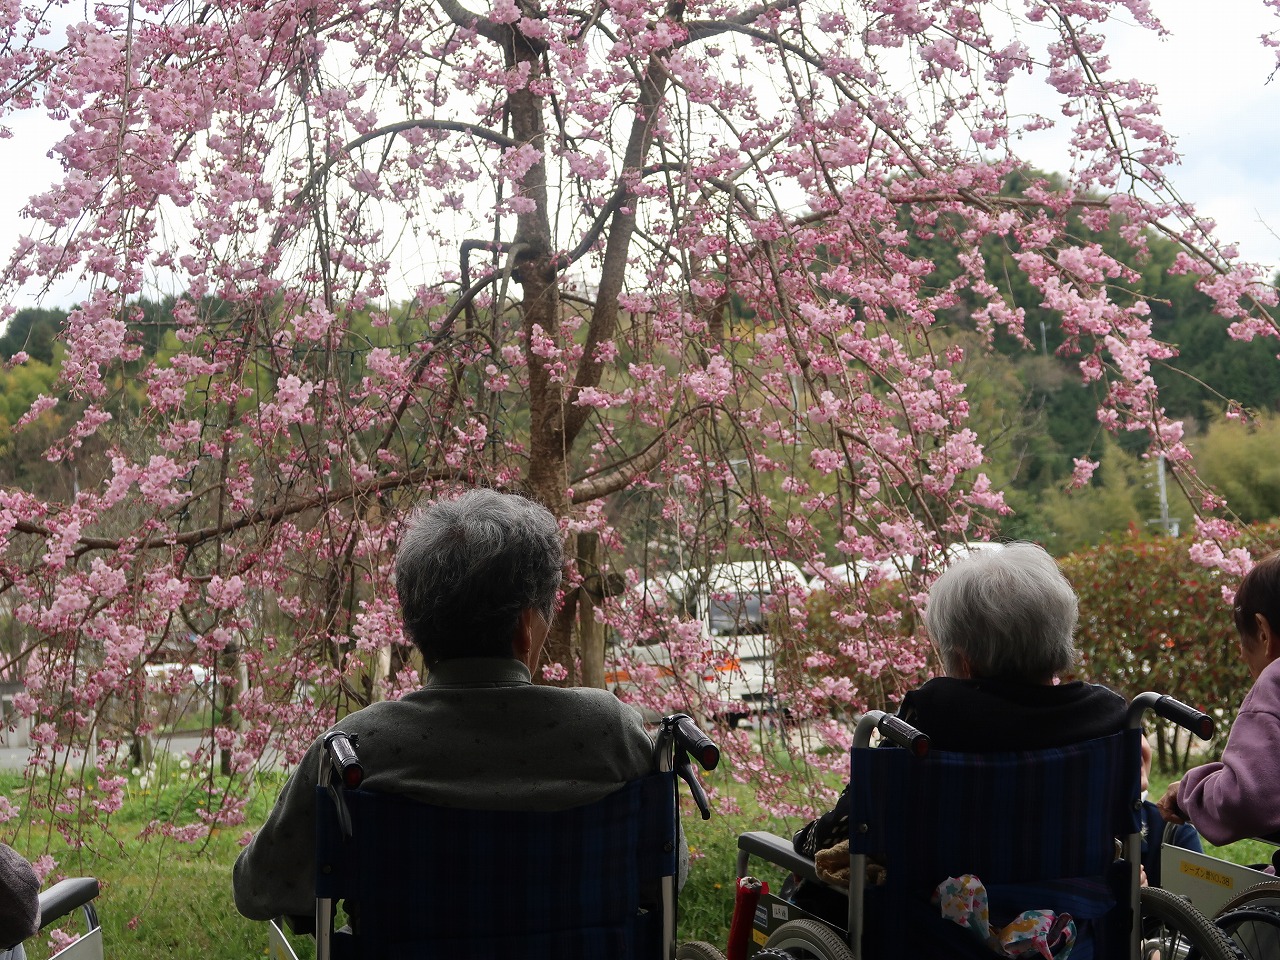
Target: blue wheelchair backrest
x: 425, y: 881
x: 1032, y: 825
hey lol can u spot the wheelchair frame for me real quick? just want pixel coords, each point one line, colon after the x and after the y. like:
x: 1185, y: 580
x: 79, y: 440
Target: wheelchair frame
x: 779, y: 851
x: 64, y: 898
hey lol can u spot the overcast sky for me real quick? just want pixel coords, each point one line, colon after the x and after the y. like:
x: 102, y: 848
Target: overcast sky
x: 1212, y: 75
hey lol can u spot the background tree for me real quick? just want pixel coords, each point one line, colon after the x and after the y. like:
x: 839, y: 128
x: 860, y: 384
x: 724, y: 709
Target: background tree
x: 1237, y: 457
x: 656, y: 265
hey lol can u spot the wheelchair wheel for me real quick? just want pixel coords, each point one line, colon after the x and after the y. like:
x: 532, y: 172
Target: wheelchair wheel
x: 1264, y: 894
x: 1175, y: 930
x: 808, y: 940
x: 1252, y: 932
x: 697, y: 950
x: 1255, y: 930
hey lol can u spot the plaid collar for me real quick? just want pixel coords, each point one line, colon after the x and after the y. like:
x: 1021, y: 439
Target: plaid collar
x: 478, y: 672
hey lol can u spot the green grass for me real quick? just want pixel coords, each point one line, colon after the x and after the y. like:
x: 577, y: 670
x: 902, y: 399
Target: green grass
x: 706, y: 902
x: 160, y: 898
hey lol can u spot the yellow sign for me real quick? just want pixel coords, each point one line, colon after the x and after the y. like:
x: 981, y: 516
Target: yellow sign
x: 760, y: 937
x: 1205, y: 874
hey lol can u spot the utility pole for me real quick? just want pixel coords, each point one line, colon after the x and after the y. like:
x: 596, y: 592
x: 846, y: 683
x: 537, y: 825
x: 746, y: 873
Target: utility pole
x: 1171, y: 526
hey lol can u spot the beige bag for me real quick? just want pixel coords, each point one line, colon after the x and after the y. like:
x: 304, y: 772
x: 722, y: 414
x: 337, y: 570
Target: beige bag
x: 832, y: 865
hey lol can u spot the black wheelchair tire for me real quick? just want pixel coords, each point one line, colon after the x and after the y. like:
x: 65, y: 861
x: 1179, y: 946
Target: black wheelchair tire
x: 1184, y: 932
x: 1255, y: 930
x: 697, y: 950
x: 809, y: 940
x: 771, y: 953
x: 1264, y: 894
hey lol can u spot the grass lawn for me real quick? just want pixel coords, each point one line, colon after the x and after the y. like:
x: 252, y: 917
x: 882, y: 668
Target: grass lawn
x: 163, y: 899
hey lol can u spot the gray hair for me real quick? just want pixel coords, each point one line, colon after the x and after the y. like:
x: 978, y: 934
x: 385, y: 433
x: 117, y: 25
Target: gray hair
x: 468, y: 567
x: 1009, y: 611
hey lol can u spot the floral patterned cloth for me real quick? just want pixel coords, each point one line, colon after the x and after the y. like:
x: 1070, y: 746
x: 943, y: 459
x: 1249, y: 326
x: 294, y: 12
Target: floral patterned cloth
x: 1042, y: 933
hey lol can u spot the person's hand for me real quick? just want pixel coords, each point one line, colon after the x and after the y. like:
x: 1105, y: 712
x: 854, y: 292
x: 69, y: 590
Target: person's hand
x: 1142, y: 876
x: 1168, y: 804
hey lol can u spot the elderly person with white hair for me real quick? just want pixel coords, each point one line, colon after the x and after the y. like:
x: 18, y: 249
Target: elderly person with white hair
x: 478, y: 578
x: 1002, y: 621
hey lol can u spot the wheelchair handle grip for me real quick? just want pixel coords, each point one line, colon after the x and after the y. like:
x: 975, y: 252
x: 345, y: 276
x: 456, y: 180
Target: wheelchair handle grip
x: 904, y: 734
x: 696, y: 743
x: 342, y: 755
x: 1197, y: 721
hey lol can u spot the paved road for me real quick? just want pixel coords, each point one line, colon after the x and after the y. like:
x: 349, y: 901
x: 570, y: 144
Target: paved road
x: 15, y: 758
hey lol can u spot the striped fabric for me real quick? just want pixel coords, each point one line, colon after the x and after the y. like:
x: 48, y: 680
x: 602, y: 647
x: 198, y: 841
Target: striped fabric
x: 1038, y: 828
x: 432, y: 881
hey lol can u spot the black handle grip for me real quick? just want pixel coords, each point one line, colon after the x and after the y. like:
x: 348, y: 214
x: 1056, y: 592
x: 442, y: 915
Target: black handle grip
x: 903, y: 734
x: 342, y: 755
x: 698, y: 745
x: 1198, y: 722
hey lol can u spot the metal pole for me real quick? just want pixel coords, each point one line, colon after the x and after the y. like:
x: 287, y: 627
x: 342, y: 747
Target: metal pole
x: 1164, y: 497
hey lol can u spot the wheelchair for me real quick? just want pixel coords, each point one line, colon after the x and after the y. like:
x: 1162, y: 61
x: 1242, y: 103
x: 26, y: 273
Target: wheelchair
x: 1243, y: 901
x: 929, y: 815
x: 421, y: 881
x: 61, y: 900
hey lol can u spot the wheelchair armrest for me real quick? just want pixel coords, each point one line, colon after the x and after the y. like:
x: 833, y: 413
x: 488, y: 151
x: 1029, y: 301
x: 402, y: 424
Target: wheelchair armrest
x: 776, y: 850
x: 65, y: 896
x: 302, y: 924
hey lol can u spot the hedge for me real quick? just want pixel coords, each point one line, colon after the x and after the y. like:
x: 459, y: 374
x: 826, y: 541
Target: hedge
x: 1151, y: 619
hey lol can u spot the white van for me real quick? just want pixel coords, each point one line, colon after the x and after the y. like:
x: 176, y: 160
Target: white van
x: 730, y: 604
x: 889, y: 569
x: 894, y: 568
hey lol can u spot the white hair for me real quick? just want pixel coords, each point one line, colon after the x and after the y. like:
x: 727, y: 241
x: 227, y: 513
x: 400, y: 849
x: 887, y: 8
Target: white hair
x: 1009, y: 612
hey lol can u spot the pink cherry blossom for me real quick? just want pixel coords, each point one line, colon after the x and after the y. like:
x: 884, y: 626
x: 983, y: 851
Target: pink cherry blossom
x: 658, y: 267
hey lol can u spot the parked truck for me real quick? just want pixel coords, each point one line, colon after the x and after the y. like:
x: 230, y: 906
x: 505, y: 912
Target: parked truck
x: 729, y: 668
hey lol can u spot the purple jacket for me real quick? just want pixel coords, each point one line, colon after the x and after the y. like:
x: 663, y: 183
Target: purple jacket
x: 1240, y: 796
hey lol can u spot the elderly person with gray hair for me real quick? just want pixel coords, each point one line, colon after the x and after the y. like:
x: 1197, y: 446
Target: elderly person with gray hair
x: 477, y: 577
x: 1002, y: 621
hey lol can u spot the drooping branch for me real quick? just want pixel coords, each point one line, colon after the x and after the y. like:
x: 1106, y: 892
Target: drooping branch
x: 260, y: 517
x: 442, y: 331
x: 307, y: 192
x: 623, y: 473
x: 705, y: 29
x: 610, y: 207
